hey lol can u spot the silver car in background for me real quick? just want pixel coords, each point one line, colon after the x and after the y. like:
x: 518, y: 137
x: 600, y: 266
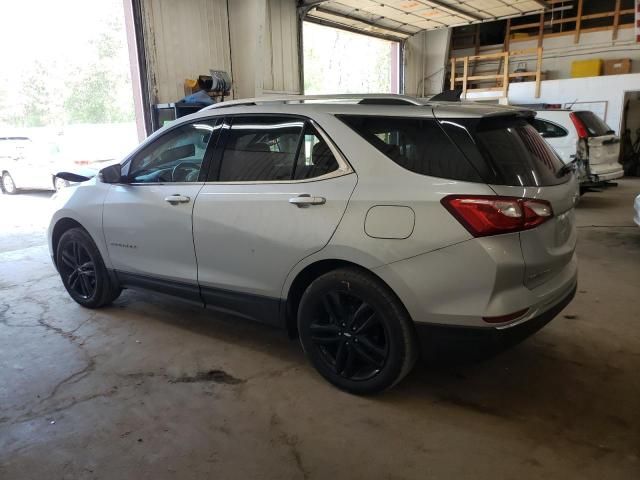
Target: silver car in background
x: 366, y: 226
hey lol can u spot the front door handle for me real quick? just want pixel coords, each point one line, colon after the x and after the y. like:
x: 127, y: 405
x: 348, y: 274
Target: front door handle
x: 305, y: 200
x: 176, y: 199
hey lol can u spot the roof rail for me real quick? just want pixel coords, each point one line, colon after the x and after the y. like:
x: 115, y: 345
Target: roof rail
x: 364, y: 98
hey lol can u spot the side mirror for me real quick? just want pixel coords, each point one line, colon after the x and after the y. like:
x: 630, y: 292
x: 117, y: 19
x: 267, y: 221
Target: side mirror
x: 72, y: 177
x: 111, y: 174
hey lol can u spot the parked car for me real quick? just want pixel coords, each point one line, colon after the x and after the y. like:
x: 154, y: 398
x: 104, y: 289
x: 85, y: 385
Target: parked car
x: 25, y: 165
x: 582, y: 136
x: 359, y: 227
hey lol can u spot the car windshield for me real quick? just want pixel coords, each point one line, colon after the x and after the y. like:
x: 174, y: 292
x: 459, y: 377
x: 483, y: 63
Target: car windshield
x: 594, y: 124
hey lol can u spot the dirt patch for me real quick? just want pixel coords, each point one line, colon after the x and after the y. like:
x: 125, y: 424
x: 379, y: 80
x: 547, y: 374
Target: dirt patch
x: 215, y: 376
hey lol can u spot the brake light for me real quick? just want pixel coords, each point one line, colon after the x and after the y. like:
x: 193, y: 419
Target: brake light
x: 492, y: 215
x: 580, y: 126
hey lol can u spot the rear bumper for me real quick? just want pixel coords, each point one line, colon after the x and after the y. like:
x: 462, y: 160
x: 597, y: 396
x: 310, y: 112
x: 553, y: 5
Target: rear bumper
x: 443, y: 342
x: 484, y: 277
x: 605, y: 176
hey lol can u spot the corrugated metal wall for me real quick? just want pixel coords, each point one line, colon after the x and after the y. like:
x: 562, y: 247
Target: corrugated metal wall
x: 183, y: 39
x: 426, y: 57
x: 188, y: 37
x: 281, y: 66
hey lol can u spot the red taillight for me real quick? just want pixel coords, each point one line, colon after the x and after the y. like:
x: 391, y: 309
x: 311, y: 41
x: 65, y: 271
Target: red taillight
x: 486, y: 215
x: 580, y: 126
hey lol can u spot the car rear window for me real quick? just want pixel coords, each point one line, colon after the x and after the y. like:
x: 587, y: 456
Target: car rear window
x: 417, y: 144
x: 508, y: 151
x: 594, y: 124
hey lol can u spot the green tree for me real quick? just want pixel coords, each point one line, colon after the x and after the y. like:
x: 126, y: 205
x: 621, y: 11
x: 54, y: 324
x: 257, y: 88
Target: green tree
x: 93, y: 94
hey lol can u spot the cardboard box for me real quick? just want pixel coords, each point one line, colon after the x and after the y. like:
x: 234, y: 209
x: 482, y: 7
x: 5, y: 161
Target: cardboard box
x: 617, y: 67
x: 586, y: 68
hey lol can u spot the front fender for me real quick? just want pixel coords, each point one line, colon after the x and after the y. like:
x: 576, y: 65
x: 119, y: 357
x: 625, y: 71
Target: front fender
x: 82, y: 204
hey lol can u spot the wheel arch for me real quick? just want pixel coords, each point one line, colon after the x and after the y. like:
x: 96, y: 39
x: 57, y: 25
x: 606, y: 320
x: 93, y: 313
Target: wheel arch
x: 306, y: 276
x: 62, y: 225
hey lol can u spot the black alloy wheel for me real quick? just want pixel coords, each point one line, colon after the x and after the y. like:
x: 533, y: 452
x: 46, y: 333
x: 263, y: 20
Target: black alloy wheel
x: 350, y: 335
x: 79, y: 269
x: 82, y: 270
x: 356, y: 332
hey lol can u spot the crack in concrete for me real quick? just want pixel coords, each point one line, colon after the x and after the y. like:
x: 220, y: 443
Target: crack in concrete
x: 5, y: 321
x: 74, y: 377
x: 291, y: 442
x: 29, y: 416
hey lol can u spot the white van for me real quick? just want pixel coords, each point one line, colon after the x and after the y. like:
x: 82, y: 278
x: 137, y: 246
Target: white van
x: 581, y: 135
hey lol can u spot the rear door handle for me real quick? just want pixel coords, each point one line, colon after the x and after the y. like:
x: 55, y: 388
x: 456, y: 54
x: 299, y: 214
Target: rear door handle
x: 176, y: 199
x: 305, y: 200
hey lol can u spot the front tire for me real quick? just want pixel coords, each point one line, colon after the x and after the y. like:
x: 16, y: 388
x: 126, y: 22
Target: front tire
x: 8, y: 185
x: 82, y: 270
x: 355, y: 331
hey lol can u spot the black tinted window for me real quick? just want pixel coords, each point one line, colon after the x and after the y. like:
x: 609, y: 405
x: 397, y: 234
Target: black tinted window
x: 176, y: 156
x: 417, y: 144
x: 260, y: 149
x: 548, y: 129
x: 315, y: 157
x: 594, y: 124
x: 507, y: 151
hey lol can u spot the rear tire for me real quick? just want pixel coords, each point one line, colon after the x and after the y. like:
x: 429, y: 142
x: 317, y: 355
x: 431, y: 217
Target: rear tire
x: 355, y: 331
x: 82, y: 270
x: 8, y: 185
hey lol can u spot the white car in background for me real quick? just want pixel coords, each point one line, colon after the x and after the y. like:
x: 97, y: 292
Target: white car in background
x: 581, y: 135
x: 24, y: 164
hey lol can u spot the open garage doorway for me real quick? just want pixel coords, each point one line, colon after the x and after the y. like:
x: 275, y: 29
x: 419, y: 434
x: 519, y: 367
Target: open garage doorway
x: 339, y: 61
x: 66, y: 97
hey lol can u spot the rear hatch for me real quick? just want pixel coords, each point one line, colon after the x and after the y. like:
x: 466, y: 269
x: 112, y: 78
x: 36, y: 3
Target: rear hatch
x: 602, y: 142
x: 516, y: 162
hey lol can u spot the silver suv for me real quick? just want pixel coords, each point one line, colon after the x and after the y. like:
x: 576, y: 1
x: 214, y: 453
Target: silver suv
x: 365, y: 226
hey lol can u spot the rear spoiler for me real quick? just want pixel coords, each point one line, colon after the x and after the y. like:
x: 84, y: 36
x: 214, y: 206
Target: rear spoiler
x: 447, y: 96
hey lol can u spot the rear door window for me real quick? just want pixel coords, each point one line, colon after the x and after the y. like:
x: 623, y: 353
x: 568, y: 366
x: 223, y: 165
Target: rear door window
x: 417, y: 144
x: 594, y: 124
x: 260, y: 148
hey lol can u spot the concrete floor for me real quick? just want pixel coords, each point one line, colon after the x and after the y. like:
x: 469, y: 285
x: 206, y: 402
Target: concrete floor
x: 152, y: 388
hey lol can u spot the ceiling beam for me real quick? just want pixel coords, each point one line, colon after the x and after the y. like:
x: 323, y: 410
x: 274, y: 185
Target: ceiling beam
x: 340, y: 26
x: 310, y: 3
x: 362, y: 20
x: 455, y: 10
x: 542, y: 3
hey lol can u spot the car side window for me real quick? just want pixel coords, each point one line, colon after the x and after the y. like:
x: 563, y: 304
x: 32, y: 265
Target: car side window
x: 315, y: 158
x: 176, y: 156
x: 260, y: 148
x: 548, y: 129
x: 416, y: 144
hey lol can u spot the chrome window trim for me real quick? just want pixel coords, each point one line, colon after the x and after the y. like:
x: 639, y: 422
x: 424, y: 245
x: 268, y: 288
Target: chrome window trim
x: 161, y: 183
